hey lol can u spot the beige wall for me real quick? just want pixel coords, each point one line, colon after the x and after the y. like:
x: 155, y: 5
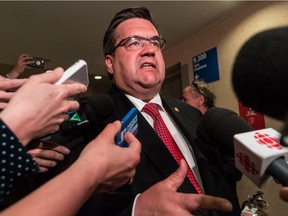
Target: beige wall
x: 228, y: 34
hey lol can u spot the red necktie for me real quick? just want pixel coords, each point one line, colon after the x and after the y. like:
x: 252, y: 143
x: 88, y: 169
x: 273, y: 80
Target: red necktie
x: 163, y: 132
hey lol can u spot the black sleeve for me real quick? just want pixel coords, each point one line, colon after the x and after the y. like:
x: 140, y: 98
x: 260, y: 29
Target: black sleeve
x: 15, y: 163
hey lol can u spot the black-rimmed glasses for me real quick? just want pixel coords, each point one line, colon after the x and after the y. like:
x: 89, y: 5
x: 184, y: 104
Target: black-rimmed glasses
x: 135, y: 42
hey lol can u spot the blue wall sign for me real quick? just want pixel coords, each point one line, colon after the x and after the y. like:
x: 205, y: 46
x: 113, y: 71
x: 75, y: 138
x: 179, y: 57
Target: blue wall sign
x: 205, y: 66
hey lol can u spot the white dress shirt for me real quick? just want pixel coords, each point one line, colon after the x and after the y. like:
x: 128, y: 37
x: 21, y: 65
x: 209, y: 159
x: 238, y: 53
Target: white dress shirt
x: 175, y: 132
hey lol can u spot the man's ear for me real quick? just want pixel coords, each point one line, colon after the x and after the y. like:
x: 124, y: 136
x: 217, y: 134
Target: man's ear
x: 109, y: 65
x: 201, y: 100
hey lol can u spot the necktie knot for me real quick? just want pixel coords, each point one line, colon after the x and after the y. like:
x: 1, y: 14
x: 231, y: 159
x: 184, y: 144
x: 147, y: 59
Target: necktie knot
x: 152, y: 110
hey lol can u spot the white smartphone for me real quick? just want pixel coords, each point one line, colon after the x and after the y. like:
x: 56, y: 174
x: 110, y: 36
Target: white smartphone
x: 78, y: 72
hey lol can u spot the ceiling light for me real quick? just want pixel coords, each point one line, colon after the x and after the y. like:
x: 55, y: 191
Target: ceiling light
x: 97, y: 77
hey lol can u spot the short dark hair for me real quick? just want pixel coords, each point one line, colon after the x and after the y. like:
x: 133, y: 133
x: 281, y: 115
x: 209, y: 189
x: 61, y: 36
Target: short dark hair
x: 202, y: 88
x: 129, y: 13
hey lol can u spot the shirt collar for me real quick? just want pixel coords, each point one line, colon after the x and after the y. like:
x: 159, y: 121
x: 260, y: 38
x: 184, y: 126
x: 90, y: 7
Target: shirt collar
x: 139, y: 104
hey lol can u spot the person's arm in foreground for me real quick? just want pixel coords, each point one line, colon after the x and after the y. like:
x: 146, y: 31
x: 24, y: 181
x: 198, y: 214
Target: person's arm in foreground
x: 102, y: 166
x: 163, y: 198
x: 39, y: 107
x: 36, y: 109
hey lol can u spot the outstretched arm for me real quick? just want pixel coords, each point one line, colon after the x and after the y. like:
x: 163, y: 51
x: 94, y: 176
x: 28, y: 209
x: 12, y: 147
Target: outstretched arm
x: 102, y: 166
x: 39, y: 107
x: 21, y: 64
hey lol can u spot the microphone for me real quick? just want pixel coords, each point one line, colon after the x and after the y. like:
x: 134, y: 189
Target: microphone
x: 260, y: 75
x: 218, y: 126
x: 98, y: 108
x: 92, y: 110
x: 258, y: 155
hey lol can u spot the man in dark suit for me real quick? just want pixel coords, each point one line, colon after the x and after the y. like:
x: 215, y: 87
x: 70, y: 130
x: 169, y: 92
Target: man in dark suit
x: 134, y: 61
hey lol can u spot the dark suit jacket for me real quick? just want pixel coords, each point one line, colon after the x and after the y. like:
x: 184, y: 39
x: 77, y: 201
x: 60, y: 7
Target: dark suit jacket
x: 215, y: 137
x: 156, y: 161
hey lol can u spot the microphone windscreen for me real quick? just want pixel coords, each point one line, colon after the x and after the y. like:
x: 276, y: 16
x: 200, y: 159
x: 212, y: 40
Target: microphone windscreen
x: 260, y: 72
x: 98, y: 108
x: 219, y: 125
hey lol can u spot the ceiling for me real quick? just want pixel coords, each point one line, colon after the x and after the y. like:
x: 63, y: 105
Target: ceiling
x: 65, y: 31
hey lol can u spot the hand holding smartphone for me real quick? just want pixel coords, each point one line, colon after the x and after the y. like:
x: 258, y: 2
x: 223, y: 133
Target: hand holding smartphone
x: 37, y: 62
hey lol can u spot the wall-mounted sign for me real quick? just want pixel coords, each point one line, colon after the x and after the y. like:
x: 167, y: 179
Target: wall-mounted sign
x: 205, y: 66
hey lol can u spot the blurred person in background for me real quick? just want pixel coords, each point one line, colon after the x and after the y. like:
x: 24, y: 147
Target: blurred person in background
x: 21, y: 64
x: 199, y: 95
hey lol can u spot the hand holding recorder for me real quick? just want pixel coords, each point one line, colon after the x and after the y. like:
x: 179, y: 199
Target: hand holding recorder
x: 44, y: 104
